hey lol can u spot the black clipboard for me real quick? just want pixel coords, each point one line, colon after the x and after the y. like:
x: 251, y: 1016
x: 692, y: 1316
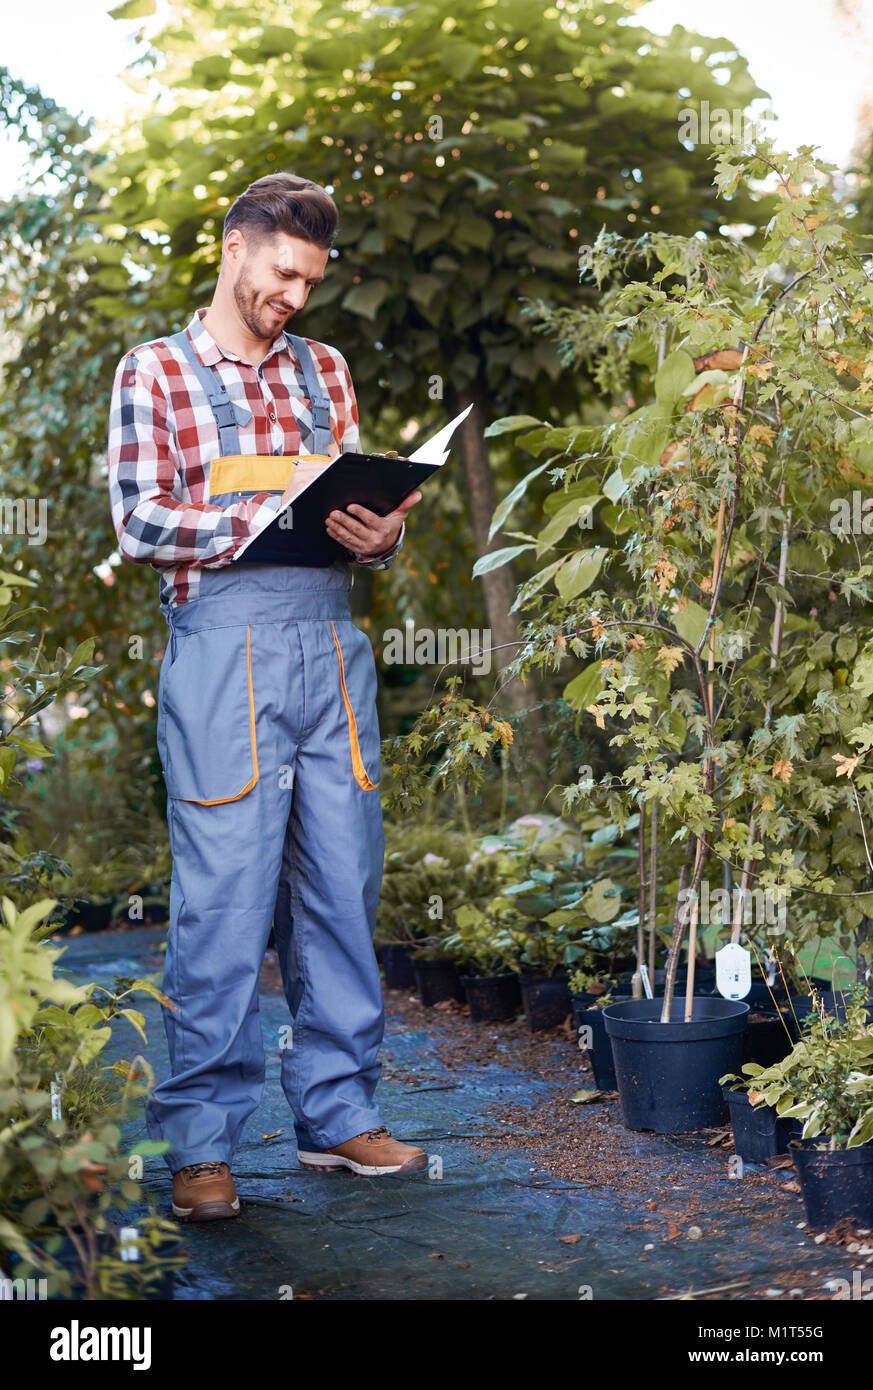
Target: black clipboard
x: 379, y: 482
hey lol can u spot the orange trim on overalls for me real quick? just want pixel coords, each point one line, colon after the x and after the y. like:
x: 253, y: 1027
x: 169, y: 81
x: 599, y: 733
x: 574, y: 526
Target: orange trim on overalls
x: 357, y: 761
x: 220, y: 801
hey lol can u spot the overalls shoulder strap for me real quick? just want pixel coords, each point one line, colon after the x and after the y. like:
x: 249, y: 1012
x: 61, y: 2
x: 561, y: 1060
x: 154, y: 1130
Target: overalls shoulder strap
x: 228, y: 415
x: 319, y: 404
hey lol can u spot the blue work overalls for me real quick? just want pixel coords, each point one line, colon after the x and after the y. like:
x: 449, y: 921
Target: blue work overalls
x: 269, y: 742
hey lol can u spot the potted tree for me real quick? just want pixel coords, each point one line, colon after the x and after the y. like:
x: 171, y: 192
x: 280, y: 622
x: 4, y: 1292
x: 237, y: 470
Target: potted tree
x: 826, y: 1084
x: 700, y: 558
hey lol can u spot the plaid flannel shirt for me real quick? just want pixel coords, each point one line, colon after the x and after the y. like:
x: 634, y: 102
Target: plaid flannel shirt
x: 162, y: 437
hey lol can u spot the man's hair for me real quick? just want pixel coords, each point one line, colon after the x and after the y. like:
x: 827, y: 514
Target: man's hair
x: 284, y: 203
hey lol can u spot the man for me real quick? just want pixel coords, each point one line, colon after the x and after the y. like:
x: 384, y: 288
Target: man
x: 267, y: 727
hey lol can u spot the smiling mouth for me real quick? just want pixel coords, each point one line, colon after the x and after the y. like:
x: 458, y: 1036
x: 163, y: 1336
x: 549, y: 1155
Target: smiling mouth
x: 280, y: 313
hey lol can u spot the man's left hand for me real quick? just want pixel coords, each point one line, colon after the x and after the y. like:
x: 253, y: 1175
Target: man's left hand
x: 365, y: 532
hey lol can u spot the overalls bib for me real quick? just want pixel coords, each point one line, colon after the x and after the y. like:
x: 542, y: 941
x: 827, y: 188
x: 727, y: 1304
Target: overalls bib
x: 269, y: 743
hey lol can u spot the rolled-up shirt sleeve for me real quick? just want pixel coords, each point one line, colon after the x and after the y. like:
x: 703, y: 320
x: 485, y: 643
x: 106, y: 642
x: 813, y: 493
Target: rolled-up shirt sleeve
x: 154, y: 524
x: 351, y: 444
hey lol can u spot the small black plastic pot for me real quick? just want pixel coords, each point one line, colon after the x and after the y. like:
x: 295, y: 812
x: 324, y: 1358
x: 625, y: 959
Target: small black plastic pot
x: 599, y: 1046
x: 668, y: 1073
x: 704, y: 976
x: 395, y: 957
x: 546, y: 1000
x: 766, y: 1040
x: 759, y: 1133
x: 436, y: 980
x: 91, y: 916
x: 106, y: 1243
x: 492, y: 998
x: 835, y: 1183
x: 833, y: 1002
x: 762, y: 995
x: 579, y: 1003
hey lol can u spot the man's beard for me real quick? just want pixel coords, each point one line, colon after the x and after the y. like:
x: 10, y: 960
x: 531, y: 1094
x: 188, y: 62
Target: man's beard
x: 253, y: 310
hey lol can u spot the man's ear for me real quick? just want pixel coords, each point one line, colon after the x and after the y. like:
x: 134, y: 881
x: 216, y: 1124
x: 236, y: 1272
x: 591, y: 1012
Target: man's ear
x: 234, y: 248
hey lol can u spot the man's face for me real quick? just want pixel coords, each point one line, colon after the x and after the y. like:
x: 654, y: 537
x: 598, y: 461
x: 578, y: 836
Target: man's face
x: 273, y: 280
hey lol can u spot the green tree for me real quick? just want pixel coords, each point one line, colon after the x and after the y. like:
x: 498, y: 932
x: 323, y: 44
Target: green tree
x: 472, y: 159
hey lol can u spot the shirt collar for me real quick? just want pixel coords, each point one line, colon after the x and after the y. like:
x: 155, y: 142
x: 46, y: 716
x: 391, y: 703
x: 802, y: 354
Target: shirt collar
x: 208, y: 350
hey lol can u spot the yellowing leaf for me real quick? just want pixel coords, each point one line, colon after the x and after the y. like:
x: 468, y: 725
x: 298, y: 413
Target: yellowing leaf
x: 670, y: 658
x: 598, y: 715
x: 664, y: 573
x: 845, y: 766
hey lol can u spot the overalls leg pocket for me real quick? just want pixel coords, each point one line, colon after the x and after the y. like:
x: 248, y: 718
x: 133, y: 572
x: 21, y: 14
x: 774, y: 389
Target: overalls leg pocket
x: 207, y: 721
x: 356, y: 674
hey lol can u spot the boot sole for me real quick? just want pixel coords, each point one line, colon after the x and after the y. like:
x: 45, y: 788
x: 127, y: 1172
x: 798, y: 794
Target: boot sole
x: 334, y: 1163
x: 207, y: 1211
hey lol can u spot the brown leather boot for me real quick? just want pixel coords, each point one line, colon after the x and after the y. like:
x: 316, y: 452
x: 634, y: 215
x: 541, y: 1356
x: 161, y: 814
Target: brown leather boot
x: 204, y: 1192
x: 370, y: 1154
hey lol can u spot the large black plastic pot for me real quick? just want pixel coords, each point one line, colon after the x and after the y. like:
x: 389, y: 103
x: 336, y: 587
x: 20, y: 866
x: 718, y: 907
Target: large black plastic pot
x: 492, y: 997
x: 668, y: 1073
x: 835, y: 1183
x: 759, y: 1133
x: 546, y: 1000
x: 396, y: 962
x: 599, y: 1046
x: 436, y: 980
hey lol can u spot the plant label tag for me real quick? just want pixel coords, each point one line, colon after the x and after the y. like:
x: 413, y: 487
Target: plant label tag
x: 56, y: 1103
x: 733, y: 971
x: 647, y: 984
x: 127, y: 1248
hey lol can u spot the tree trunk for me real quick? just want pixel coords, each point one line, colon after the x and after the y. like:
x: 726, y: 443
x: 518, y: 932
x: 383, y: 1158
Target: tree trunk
x: 499, y: 586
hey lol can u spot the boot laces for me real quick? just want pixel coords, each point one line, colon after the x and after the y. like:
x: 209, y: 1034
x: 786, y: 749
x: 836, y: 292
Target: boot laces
x: 374, y: 1134
x: 196, y: 1170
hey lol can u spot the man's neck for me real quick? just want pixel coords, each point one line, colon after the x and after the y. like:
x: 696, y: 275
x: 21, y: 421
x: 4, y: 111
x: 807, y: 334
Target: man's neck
x: 232, y: 336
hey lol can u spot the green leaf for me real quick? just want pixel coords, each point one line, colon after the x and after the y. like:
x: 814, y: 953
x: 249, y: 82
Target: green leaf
x: 133, y: 9
x: 365, y: 299
x: 495, y: 558
x: 599, y: 903
x: 672, y: 377
x: 579, y: 572
x: 615, y: 486
x: 690, y: 621
x: 617, y: 519
x: 508, y: 424
x: 583, y: 689
x: 506, y: 506
x: 137, y: 1019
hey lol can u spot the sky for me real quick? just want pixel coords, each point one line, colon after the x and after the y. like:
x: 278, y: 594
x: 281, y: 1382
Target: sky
x: 816, y: 72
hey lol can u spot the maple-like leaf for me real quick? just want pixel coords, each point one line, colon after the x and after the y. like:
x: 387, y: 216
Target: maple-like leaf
x: 845, y: 766
x: 670, y: 658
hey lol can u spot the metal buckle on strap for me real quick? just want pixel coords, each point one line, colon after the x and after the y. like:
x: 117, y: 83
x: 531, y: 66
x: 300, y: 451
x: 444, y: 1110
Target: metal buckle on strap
x: 224, y: 412
x: 320, y: 413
